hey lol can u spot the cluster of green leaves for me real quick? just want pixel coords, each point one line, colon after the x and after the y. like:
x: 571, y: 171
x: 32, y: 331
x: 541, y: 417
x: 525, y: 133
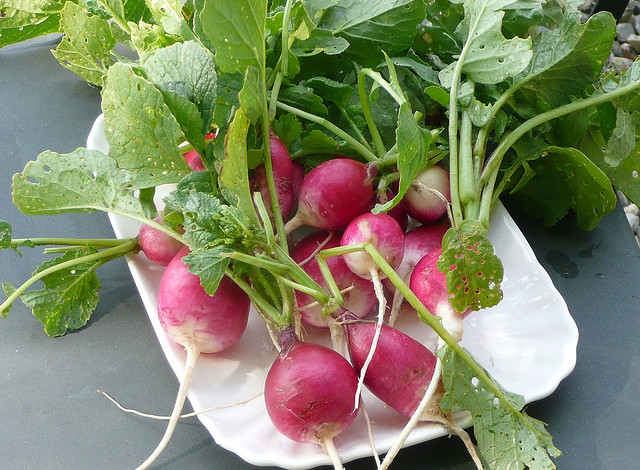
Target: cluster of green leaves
x: 509, y: 95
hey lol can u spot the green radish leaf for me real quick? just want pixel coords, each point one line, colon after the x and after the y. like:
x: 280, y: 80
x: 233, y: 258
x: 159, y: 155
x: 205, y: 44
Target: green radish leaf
x: 567, y: 180
x: 550, y: 79
x: 623, y: 138
x: 142, y: 133
x: 331, y: 90
x: 168, y: 14
x: 86, y: 48
x: 414, y: 143
x: 69, y: 296
x: 81, y: 181
x: 233, y: 173
x: 185, y: 73
x: 23, y: 20
x: 288, y: 128
x: 490, y: 58
x: 9, y: 290
x: 237, y: 30
x: 370, y: 28
x: 250, y: 95
x: 474, y: 273
x: 209, y: 265
x: 303, y: 97
x: 5, y: 234
x: 506, y: 436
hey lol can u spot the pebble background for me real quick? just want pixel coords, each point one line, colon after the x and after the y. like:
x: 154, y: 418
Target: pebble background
x: 625, y: 50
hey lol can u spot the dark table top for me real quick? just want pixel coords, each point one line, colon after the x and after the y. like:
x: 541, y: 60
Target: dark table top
x: 52, y: 417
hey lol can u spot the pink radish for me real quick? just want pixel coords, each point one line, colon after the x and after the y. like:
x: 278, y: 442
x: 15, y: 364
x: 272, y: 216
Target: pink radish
x: 430, y: 286
x: 384, y: 233
x: 360, y: 300
x: 309, y: 393
x: 282, y: 174
x: 158, y: 246
x: 198, y: 321
x: 417, y: 242
x: 333, y: 194
x: 401, y: 368
x: 192, y: 157
x: 398, y: 212
x: 405, y: 375
x: 424, y: 199
x: 298, y: 176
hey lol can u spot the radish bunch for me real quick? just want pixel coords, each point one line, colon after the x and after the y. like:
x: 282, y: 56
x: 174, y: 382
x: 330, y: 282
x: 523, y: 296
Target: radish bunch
x: 342, y: 256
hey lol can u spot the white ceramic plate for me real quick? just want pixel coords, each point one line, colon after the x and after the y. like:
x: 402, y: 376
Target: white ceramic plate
x: 528, y: 343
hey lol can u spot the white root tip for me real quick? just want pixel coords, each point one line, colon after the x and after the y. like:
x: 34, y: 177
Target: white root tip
x: 192, y: 358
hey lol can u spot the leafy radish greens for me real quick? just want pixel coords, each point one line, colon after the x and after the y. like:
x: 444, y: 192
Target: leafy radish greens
x: 513, y: 97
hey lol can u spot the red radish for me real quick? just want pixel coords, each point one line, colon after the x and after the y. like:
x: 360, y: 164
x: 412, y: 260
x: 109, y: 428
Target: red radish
x: 309, y: 393
x: 333, y: 194
x: 192, y: 157
x: 417, y: 242
x: 158, y: 246
x: 360, y: 300
x: 405, y: 375
x: 198, y: 321
x: 194, y: 161
x: 430, y: 286
x: 401, y: 368
x: 282, y: 174
x: 424, y: 199
x: 298, y: 176
x: 384, y: 233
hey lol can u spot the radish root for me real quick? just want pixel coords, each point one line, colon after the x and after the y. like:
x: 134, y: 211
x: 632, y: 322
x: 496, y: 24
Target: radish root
x: 329, y: 448
x: 185, y: 415
x: 192, y: 357
x: 382, y: 306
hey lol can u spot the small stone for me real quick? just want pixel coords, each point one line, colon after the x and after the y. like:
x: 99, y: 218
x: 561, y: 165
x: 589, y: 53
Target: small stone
x: 623, y: 31
x: 629, y: 51
x: 620, y: 64
x: 616, y: 49
x: 634, y: 40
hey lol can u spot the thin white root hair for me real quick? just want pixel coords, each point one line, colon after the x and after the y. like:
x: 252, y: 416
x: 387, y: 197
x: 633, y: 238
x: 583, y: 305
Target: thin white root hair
x: 415, y: 418
x: 182, y: 416
x: 453, y: 428
x: 329, y: 448
x: 317, y: 250
x: 192, y: 357
x: 382, y: 306
x: 372, y: 443
x: 396, y: 303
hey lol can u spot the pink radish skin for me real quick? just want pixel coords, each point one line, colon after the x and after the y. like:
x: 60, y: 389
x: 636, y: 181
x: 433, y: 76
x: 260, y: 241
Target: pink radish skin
x: 193, y: 159
x: 282, y: 174
x: 309, y: 391
x: 430, y: 286
x: 159, y: 247
x: 189, y: 315
x: 333, y: 194
x: 199, y: 322
x: 400, y: 370
x: 382, y: 231
x: 420, y: 202
x: 360, y: 300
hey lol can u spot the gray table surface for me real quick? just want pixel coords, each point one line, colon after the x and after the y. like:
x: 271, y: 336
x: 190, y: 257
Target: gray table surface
x: 51, y: 416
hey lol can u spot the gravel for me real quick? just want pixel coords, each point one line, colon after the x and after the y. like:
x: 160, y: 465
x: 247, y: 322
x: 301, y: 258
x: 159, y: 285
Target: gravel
x: 626, y: 48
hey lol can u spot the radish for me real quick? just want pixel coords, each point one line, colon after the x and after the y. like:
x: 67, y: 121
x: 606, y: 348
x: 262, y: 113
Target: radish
x: 398, y: 212
x: 404, y: 374
x: 359, y: 300
x: 384, y: 233
x: 158, y: 246
x: 309, y: 392
x: 426, y: 199
x: 333, y: 194
x: 192, y: 157
x: 199, y: 322
x: 298, y: 176
x: 282, y: 174
x: 417, y: 242
x: 430, y: 286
